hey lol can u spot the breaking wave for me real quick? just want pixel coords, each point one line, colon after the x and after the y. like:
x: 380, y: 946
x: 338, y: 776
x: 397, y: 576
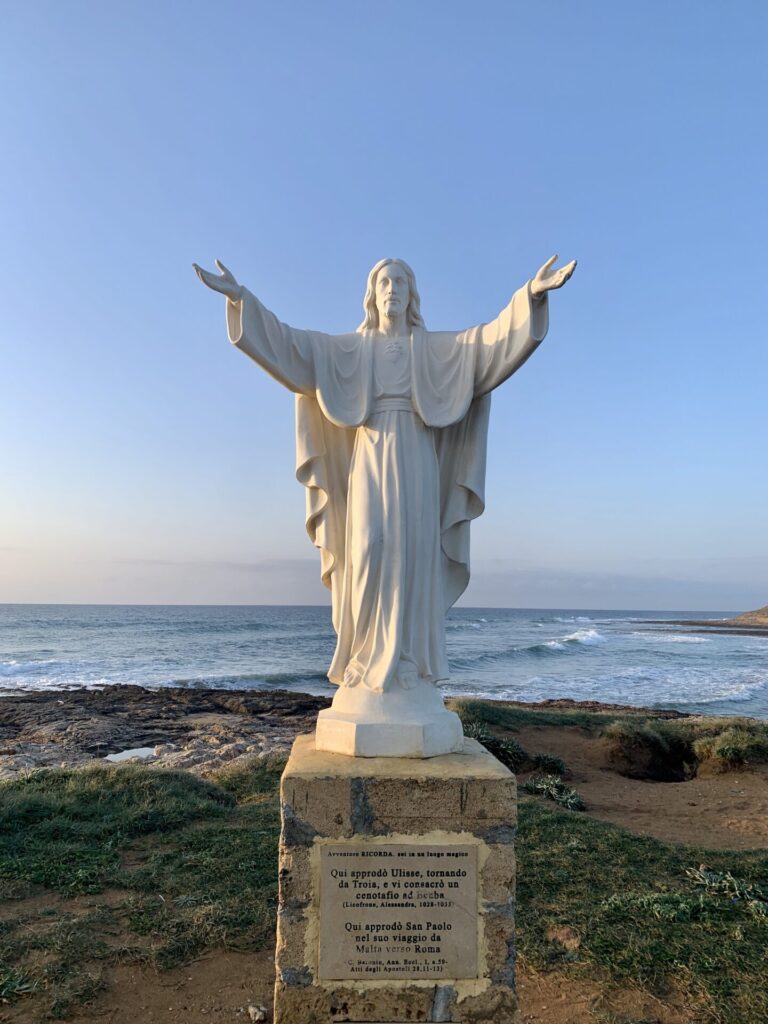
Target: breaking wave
x: 638, y: 658
x: 545, y: 648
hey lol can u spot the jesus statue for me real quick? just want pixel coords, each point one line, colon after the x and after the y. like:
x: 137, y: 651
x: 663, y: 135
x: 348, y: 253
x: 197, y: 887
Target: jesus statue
x: 391, y: 431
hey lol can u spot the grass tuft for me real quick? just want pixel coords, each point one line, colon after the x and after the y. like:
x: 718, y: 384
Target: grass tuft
x: 14, y: 983
x: 505, y: 716
x: 736, y: 890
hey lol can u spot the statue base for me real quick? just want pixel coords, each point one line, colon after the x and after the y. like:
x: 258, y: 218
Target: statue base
x: 397, y: 884
x: 393, y: 723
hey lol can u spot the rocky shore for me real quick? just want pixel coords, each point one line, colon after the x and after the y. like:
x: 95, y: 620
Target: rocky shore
x: 729, y: 627
x: 195, y: 730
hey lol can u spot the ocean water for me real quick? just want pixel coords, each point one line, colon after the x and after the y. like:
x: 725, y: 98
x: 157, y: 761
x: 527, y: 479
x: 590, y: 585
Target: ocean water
x: 613, y: 656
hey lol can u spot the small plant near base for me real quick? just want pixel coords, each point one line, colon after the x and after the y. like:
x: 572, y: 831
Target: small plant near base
x: 508, y: 750
x: 553, y: 788
x: 14, y: 983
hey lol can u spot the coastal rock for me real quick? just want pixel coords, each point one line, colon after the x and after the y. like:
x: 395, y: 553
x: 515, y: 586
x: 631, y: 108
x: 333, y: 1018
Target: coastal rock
x: 193, y: 730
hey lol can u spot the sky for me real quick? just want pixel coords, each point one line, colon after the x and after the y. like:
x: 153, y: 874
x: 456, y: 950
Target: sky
x: 145, y: 460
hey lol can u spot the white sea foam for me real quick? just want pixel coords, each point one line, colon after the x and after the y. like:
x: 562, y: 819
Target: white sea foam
x: 739, y: 693
x: 639, y: 686
x: 672, y: 638
x: 588, y: 637
x: 14, y: 667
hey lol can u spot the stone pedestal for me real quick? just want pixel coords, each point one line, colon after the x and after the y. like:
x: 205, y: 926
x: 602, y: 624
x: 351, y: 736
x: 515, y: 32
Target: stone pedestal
x: 396, y: 889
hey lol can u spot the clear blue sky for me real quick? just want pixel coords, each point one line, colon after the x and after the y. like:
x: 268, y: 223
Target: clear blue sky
x: 143, y: 459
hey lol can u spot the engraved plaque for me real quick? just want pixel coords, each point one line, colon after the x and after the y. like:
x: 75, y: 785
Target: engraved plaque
x: 398, y: 911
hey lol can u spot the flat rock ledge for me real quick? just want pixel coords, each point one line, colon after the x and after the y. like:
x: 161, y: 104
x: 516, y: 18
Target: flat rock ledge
x: 193, y: 730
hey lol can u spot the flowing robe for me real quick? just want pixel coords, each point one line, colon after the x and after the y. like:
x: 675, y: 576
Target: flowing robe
x: 391, y: 441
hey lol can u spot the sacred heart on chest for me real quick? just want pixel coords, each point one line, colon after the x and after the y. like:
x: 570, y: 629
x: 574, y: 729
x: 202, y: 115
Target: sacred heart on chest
x: 393, y: 350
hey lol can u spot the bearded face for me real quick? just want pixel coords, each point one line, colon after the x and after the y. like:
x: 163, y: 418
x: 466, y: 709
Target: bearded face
x: 392, y: 291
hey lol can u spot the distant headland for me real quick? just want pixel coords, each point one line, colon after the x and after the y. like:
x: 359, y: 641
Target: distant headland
x: 748, y: 623
x: 759, y: 617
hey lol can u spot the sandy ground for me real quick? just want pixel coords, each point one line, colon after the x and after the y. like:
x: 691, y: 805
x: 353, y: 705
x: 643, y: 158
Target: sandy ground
x: 718, y: 811
x: 223, y: 987
x: 219, y: 989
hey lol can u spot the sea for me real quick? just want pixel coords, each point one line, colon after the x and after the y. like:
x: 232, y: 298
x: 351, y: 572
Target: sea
x: 640, y: 658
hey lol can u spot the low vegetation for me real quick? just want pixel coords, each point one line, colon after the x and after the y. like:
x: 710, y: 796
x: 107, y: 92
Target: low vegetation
x: 116, y: 864
x: 509, y: 716
x: 510, y: 752
x: 664, y: 918
x: 638, y: 745
x: 131, y: 864
x: 506, y: 749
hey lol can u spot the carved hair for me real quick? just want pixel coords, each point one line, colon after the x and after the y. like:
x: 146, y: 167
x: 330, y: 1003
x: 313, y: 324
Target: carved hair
x: 413, y: 312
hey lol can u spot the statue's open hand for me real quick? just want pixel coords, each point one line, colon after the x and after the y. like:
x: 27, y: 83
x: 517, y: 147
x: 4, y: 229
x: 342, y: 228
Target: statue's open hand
x: 546, y: 278
x: 224, y: 282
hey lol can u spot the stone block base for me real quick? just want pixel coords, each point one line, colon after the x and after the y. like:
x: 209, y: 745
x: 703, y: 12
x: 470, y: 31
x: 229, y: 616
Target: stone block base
x: 396, y: 889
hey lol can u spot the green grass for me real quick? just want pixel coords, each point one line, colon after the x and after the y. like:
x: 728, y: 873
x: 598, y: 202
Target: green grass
x: 160, y: 866
x: 506, y: 717
x: 64, y: 830
x: 642, y: 915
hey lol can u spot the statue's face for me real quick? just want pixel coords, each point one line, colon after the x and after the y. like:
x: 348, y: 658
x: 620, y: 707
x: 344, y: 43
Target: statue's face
x: 393, y: 292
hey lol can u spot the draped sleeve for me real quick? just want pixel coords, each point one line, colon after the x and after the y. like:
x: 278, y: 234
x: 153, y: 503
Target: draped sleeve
x: 504, y: 344
x: 284, y: 352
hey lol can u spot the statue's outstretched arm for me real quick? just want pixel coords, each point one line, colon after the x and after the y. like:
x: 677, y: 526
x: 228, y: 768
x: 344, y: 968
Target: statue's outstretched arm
x: 284, y: 352
x: 504, y: 344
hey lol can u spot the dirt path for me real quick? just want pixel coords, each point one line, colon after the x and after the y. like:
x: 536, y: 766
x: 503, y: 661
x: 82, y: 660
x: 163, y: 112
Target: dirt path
x: 718, y: 811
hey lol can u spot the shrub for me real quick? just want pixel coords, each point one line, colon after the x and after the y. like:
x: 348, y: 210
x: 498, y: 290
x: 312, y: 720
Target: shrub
x: 508, y: 751
x: 735, y: 747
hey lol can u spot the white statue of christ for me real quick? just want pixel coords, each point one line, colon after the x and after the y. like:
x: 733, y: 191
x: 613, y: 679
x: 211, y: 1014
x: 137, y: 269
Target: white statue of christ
x: 391, y: 429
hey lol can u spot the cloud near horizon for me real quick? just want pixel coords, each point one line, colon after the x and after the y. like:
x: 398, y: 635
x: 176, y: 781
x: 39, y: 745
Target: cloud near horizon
x: 719, y: 586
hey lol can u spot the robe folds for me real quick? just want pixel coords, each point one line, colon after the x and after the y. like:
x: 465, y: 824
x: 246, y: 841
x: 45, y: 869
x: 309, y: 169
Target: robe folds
x: 392, y: 477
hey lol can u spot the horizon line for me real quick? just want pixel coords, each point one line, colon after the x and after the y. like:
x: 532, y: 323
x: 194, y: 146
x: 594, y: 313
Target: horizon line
x: 293, y: 604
